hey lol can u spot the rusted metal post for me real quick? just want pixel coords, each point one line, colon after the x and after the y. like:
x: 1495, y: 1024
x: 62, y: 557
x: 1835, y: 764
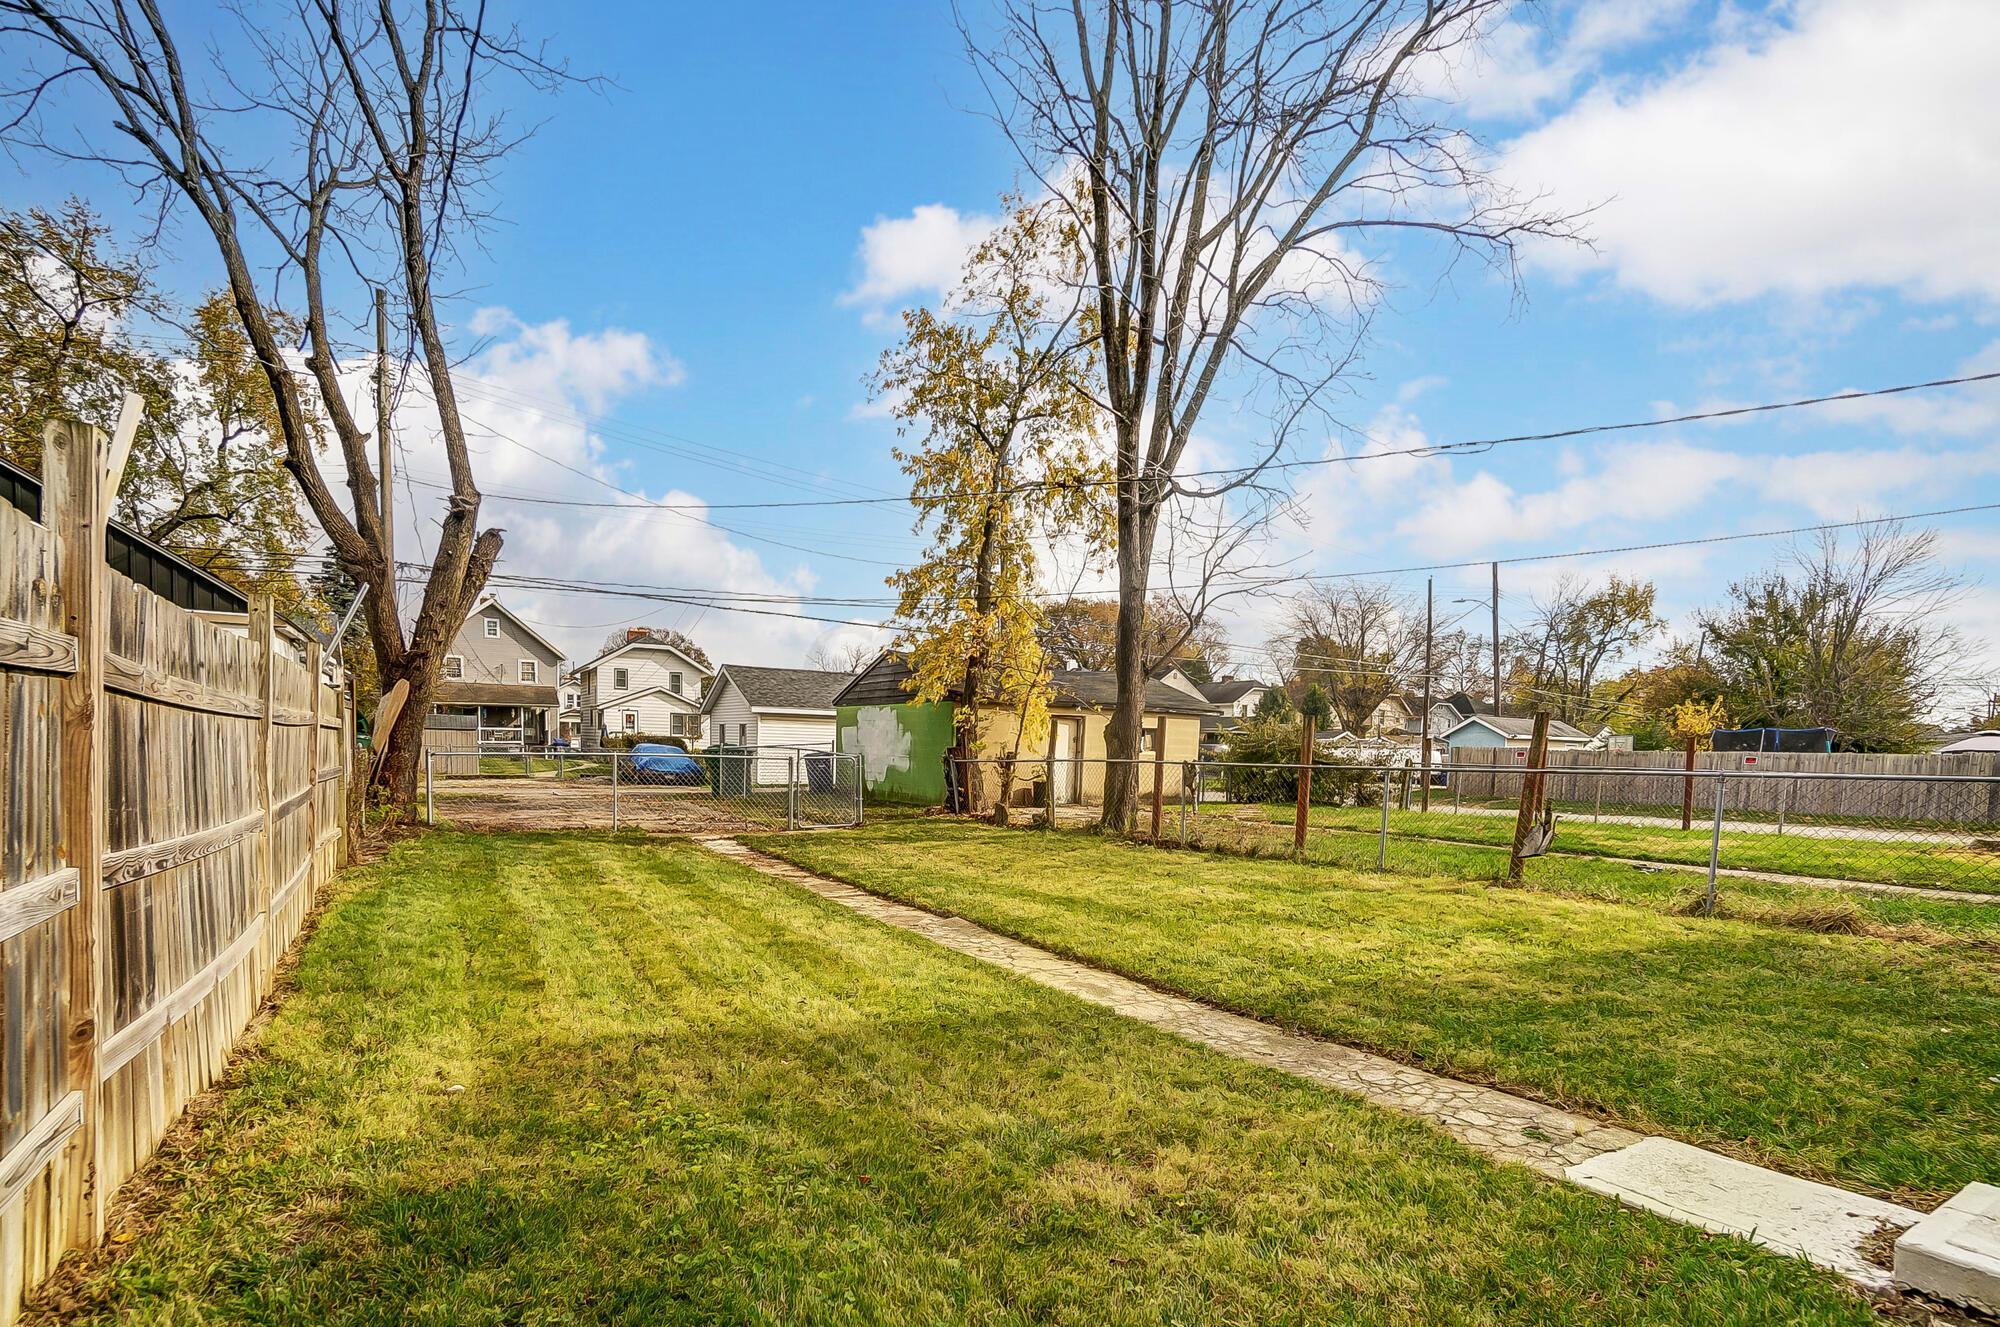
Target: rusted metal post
x: 1687, y: 788
x: 1382, y: 844
x: 1304, y: 782
x: 1714, y: 850
x: 1424, y: 721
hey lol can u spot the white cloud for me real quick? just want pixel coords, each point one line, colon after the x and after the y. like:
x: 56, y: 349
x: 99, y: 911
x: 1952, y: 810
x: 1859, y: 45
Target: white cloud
x: 1868, y: 481
x: 1529, y: 59
x: 520, y: 398
x: 1848, y: 147
x: 916, y: 255
x: 548, y: 359
x: 1644, y: 481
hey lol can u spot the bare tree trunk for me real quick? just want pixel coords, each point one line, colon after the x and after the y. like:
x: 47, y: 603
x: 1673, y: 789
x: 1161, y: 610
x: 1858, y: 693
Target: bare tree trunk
x: 380, y: 145
x: 1122, y: 735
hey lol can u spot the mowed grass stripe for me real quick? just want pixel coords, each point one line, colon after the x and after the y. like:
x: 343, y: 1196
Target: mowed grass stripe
x: 1665, y: 887
x: 1942, y: 863
x: 1866, y: 1062
x: 695, y: 1095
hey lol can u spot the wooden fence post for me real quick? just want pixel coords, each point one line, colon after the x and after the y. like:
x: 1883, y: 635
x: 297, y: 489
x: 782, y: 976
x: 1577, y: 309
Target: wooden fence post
x: 1159, y: 770
x: 350, y: 800
x: 75, y: 458
x: 1529, y: 802
x: 315, y: 878
x: 267, y: 853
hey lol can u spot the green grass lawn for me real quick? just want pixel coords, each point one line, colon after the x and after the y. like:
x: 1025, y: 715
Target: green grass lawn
x: 1870, y: 1062
x: 1893, y: 863
x: 1665, y: 887
x: 692, y: 1094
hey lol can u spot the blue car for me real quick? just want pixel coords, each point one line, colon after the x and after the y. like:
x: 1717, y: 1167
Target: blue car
x: 656, y: 762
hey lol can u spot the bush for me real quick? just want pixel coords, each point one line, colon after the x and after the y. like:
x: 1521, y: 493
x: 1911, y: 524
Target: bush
x: 1263, y: 742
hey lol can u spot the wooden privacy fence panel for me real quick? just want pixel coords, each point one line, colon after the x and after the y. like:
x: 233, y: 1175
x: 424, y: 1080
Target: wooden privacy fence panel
x: 172, y: 803
x: 1493, y: 774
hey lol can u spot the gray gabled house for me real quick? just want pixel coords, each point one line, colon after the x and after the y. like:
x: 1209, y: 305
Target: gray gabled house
x: 496, y: 690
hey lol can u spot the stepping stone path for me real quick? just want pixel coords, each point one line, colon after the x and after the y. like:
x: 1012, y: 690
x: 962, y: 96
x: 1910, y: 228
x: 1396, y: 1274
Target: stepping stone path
x: 1823, y: 1224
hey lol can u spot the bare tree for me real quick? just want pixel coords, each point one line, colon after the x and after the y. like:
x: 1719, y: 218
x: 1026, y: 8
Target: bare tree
x: 840, y: 656
x: 356, y: 159
x: 1560, y: 654
x: 1856, y: 637
x: 1234, y: 154
x: 1359, y: 642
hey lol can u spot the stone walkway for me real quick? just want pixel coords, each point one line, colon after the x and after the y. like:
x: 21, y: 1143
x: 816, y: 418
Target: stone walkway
x: 1826, y: 1225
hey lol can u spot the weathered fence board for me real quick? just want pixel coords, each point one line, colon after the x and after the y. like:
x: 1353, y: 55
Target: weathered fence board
x: 170, y: 802
x: 1897, y: 790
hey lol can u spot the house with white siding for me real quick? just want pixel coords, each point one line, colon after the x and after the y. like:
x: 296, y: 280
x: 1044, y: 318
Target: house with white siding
x: 644, y: 687
x: 773, y: 708
x: 496, y: 688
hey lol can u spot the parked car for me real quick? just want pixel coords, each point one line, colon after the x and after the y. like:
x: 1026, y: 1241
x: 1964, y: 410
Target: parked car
x: 656, y: 762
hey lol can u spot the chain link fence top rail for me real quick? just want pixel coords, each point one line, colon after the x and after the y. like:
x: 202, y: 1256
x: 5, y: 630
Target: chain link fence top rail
x: 724, y: 790
x: 1932, y: 831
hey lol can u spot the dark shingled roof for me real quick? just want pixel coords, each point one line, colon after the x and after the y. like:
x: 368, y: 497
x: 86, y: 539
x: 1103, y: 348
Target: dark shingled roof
x: 881, y: 683
x: 779, y: 688
x: 492, y: 693
x: 1229, y: 690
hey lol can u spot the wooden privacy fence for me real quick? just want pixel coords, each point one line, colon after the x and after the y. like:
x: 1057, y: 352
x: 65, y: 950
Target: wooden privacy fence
x: 172, y: 802
x: 1919, y: 791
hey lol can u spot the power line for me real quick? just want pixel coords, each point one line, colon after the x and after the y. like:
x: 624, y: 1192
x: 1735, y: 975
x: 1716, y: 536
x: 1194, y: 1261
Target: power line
x: 1469, y: 447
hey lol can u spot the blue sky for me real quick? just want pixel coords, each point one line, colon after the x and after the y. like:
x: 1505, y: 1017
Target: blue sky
x: 700, y: 263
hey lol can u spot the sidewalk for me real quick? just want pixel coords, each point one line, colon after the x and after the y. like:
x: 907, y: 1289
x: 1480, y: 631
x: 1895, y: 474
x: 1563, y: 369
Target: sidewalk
x: 1818, y: 1222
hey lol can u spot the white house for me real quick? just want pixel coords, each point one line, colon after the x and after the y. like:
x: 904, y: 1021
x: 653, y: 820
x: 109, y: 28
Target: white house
x: 569, y: 719
x: 1238, y: 696
x: 496, y: 687
x: 644, y: 686
x: 773, y: 708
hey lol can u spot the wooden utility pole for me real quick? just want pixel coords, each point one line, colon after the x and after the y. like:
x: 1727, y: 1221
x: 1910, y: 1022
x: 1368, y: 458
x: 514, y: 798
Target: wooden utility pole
x: 383, y: 470
x: 1687, y: 787
x: 1304, y: 782
x: 1424, y: 722
x: 1531, y: 795
x: 1496, y: 638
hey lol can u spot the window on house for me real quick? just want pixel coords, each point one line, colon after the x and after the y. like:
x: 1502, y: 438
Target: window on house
x: 454, y: 667
x: 677, y: 725
x: 530, y: 671
x: 1145, y: 739
x: 620, y: 679
x: 631, y: 721
x: 493, y: 628
x: 674, y: 683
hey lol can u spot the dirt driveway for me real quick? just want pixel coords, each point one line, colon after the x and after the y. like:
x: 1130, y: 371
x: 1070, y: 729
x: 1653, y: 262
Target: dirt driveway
x: 538, y: 803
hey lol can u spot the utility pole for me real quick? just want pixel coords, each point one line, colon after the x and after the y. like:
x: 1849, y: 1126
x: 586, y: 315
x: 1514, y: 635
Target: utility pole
x: 1496, y: 638
x: 384, y: 473
x: 1424, y: 723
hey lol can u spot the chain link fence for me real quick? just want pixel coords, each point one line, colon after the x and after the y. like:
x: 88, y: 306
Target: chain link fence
x: 1933, y: 832
x: 722, y: 790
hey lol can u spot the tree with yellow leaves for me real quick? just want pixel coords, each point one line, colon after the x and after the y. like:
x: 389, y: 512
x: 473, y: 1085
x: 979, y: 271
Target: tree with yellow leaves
x: 990, y: 385
x: 1697, y: 718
